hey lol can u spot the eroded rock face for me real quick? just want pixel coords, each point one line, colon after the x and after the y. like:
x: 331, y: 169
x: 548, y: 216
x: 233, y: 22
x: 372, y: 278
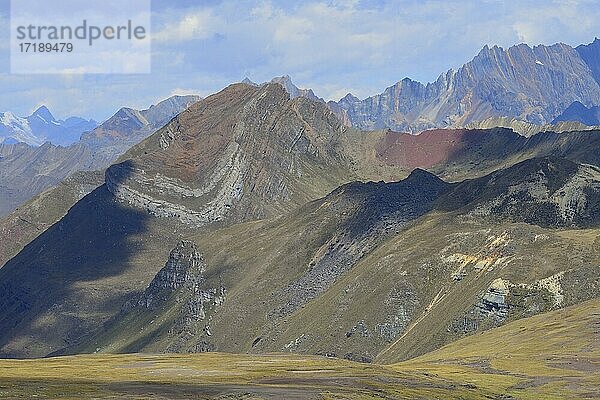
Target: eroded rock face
x: 181, y: 285
x: 183, y: 269
x: 504, y: 300
x: 244, y: 153
x: 493, y: 301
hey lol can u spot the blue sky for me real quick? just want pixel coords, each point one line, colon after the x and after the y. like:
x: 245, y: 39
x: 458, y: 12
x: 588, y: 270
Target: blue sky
x: 334, y: 47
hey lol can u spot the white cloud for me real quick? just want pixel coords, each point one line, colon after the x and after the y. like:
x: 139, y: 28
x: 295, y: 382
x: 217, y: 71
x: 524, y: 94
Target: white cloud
x: 332, y: 46
x: 567, y: 19
x: 183, y: 92
x: 199, y: 24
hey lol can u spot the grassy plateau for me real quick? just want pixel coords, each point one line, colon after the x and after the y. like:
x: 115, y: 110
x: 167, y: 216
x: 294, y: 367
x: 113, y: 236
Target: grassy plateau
x: 554, y: 355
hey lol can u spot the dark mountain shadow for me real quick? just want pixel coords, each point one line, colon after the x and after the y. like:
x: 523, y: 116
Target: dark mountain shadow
x: 547, y: 191
x: 500, y: 147
x: 487, y: 147
x: 368, y: 214
x: 40, y: 286
x: 393, y: 203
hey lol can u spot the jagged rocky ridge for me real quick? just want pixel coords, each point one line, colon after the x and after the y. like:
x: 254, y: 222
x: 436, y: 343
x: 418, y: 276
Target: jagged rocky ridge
x: 533, y: 84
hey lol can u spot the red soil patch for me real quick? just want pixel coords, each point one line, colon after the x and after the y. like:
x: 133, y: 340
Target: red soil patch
x: 424, y: 150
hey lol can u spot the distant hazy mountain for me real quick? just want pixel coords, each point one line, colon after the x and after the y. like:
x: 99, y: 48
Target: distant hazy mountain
x: 129, y: 127
x: 247, y: 81
x: 27, y: 170
x: 531, y: 84
x: 293, y: 90
x: 41, y: 126
x: 289, y: 86
x: 129, y: 123
x: 580, y: 113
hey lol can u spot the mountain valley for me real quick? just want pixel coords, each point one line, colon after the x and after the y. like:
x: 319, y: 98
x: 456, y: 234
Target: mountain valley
x: 266, y: 219
x: 432, y: 241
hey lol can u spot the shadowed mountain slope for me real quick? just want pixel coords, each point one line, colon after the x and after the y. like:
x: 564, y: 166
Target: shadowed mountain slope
x: 44, y: 210
x: 379, y: 271
x: 77, y: 272
x: 457, y: 154
x: 549, y: 192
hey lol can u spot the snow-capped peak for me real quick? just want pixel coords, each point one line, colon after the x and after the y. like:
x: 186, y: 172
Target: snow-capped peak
x: 9, y: 119
x: 17, y: 128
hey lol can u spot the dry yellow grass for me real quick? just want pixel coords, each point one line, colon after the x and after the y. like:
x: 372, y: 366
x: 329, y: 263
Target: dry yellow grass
x: 551, y: 356
x: 555, y: 355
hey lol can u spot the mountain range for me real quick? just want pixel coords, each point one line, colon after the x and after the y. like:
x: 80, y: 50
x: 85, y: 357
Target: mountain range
x: 530, y: 90
x: 532, y: 84
x: 40, y: 127
x: 252, y: 213
x: 460, y: 262
x: 26, y: 170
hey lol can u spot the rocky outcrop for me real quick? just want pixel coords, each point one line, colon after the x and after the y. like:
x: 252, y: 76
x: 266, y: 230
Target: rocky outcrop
x: 183, y: 269
x: 549, y: 191
x: 181, y: 287
x: 374, y: 212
